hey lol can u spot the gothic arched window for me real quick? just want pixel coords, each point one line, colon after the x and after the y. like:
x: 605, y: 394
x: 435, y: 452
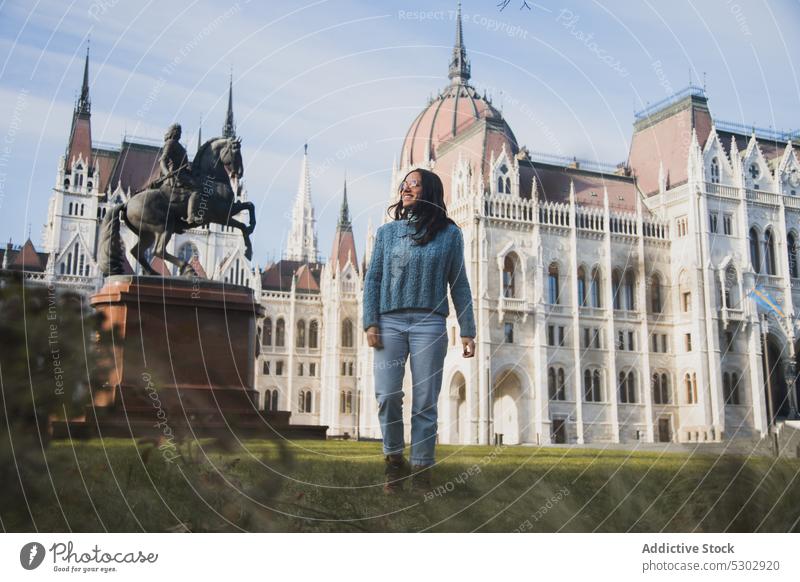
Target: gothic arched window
x: 552, y: 284
x: 313, y: 334
x: 755, y: 253
x: 594, y: 288
x: 509, y: 275
x: 347, y: 333
x: 280, y: 333
x: 791, y: 248
x: 582, y: 286
x: 266, y: 333
x: 769, y: 252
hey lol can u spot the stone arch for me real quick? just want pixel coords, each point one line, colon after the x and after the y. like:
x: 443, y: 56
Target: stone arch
x: 458, y: 421
x: 510, y: 394
x: 773, y: 368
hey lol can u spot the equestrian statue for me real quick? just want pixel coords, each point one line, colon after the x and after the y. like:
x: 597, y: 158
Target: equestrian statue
x: 184, y: 196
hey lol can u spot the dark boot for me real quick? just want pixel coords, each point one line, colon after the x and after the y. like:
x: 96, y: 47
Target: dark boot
x: 421, y: 479
x: 396, y: 472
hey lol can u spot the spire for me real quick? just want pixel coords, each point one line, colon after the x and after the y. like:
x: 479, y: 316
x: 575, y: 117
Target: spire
x: 459, y: 65
x: 344, y: 245
x: 80, y: 135
x: 229, y: 129
x: 200, y: 134
x: 302, y: 242
x: 84, y: 104
x: 344, y: 212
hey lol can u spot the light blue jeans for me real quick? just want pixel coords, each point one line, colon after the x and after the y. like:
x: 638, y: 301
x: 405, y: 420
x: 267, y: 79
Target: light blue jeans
x: 422, y: 335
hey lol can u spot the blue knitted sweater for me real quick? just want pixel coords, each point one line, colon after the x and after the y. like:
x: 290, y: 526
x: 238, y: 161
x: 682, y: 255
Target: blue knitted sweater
x: 403, y: 274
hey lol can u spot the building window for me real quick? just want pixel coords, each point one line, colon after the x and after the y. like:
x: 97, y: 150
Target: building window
x: 714, y: 171
x: 690, y: 383
x: 551, y: 335
x: 279, y: 368
x: 712, y: 222
x: 591, y: 338
x: 557, y: 388
x: 508, y: 332
x: 561, y: 335
x: 755, y: 253
x: 769, y: 252
x: 630, y: 291
x: 594, y: 288
x: 688, y: 342
x: 300, y: 369
x: 347, y: 333
x: 686, y: 301
x: 791, y: 247
x: 510, y: 275
x: 730, y: 388
x: 627, y: 388
x: 313, y: 334
x: 552, y: 284
x: 660, y: 386
x: 271, y: 400
x: 664, y: 346
x: 266, y: 333
x: 350, y: 368
x: 582, y: 299
x: 300, y: 339
x: 731, y: 282
x: 280, y: 333
x: 265, y: 369
x: 727, y: 224
x: 343, y: 371
x: 312, y: 369
x: 591, y: 386
x: 655, y: 294
x: 682, y: 223
x: 304, y: 401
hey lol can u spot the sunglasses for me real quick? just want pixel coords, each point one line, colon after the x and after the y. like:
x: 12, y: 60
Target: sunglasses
x: 409, y: 184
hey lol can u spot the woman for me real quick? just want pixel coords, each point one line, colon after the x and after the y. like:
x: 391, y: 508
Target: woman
x: 414, y: 259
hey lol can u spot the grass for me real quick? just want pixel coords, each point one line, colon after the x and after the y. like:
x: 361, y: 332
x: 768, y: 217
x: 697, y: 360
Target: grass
x: 322, y: 486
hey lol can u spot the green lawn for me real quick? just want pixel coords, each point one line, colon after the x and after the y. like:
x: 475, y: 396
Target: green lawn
x: 336, y: 486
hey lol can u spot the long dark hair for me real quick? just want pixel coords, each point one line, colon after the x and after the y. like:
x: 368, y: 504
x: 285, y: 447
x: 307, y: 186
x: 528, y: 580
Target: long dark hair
x: 429, y: 209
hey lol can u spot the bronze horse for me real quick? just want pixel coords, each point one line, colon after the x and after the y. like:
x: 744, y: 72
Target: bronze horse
x: 155, y: 214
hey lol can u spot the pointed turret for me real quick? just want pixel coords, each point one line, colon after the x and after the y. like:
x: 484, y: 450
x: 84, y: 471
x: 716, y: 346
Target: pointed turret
x: 84, y: 104
x: 459, y: 65
x: 80, y: 137
x: 229, y: 128
x: 200, y: 134
x: 302, y: 242
x: 344, y: 244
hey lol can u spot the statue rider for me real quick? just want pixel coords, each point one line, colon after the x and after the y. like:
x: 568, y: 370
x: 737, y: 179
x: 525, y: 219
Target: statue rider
x: 175, y: 168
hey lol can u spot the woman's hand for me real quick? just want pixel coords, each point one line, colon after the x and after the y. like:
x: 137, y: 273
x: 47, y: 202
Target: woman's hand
x: 374, y: 337
x: 468, y: 343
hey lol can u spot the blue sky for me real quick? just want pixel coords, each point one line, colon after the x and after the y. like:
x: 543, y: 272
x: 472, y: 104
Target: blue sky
x: 349, y: 77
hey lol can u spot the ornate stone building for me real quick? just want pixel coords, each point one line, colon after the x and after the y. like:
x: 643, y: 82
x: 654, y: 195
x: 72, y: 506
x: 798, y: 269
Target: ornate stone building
x: 613, y: 303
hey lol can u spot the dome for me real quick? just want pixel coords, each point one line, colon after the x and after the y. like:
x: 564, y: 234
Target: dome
x: 458, y: 121
x: 454, y: 113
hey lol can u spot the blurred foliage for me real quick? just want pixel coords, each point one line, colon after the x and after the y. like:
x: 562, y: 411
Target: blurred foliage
x: 49, y: 367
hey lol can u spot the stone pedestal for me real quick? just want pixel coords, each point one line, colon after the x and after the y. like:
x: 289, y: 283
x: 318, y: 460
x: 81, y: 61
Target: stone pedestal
x: 180, y: 358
